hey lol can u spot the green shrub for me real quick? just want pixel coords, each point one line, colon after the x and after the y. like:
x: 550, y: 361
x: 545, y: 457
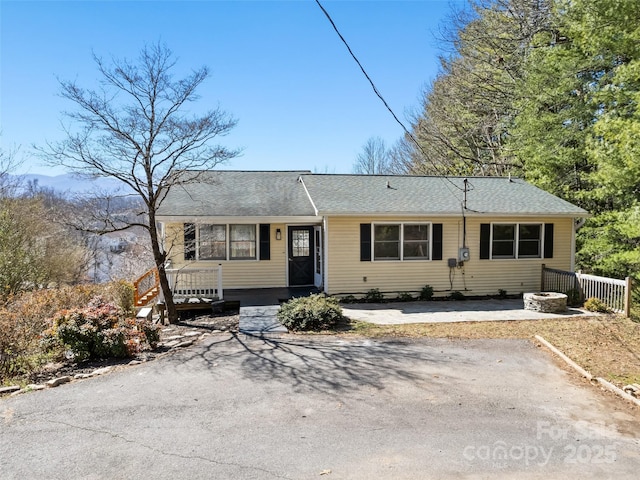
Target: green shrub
x: 24, y: 348
x: 101, y: 330
x: 374, y: 296
x: 594, y: 304
x: 349, y: 299
x: 456, y: 295
x: 426, y: 293
x: 502, y: 293
x: 315, y: 312
x: 23, y: 318
x: 405, y: 297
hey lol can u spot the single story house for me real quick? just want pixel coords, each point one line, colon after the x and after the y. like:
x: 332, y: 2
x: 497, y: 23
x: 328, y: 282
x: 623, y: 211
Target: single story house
x: 349, y: 234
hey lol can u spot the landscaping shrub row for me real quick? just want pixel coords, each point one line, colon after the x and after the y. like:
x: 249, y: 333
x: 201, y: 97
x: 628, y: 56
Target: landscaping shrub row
x: 70, y: 322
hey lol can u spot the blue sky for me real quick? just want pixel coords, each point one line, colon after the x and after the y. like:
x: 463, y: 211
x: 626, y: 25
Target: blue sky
x: 277, y: 66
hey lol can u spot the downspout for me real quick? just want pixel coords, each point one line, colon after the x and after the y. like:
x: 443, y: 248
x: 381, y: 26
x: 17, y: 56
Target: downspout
x: 325, y: 255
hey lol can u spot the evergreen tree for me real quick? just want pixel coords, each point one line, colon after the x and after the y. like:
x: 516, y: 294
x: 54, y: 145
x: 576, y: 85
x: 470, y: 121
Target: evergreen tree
x: 469, y: 108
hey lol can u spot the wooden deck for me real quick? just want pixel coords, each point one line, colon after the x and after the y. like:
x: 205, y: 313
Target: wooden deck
x: 239, y: 297
x: 267, y: 296
x: 193, y: 304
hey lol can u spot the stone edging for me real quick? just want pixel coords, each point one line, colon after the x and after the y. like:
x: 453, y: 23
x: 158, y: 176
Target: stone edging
x: 605, y: 384
x: 171, y: 343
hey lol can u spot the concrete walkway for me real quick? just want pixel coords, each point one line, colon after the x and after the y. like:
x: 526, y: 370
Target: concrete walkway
x: 261, y: 319
x: 449, y: 311
x: 258, y: 308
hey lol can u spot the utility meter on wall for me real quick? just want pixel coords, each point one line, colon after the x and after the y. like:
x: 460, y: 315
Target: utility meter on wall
x: 463, y: 254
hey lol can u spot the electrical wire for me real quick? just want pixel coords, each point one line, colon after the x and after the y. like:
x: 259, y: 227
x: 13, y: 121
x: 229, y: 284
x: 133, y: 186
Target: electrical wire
x: 379, y: 95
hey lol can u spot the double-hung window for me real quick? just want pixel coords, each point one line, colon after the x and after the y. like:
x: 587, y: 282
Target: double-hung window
x: 212, y: 242
x: 516, y: 240
x: 386, y: 242
x: 222, y: 242
x: 403, y: 241
x: 242, y: 242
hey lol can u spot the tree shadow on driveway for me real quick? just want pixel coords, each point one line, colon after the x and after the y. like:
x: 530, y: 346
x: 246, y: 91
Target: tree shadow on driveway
x: 323, y: 364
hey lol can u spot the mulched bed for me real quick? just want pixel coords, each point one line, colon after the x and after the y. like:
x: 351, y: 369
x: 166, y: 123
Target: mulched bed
x: 213, y: 323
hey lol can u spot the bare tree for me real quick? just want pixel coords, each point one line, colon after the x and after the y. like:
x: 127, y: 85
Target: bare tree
x: 8, y: 163
x: 468, y: 111
x: 136, y: 128
x: 374, y: 158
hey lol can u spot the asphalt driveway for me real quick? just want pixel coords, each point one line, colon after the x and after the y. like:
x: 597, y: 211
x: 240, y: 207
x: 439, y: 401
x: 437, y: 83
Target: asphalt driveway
x: 325, y: 407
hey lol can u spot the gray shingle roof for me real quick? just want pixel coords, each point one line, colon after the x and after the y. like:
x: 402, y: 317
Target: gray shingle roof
x: 376, y: 194
x: 240, y: 194
x: 280, y: 194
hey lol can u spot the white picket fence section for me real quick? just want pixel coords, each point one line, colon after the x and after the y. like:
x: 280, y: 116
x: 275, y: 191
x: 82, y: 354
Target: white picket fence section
x: 199, y: 282
x: 614, y: 293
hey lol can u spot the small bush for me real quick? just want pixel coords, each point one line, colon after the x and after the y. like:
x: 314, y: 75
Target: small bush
x: 374, y: 296
x: 502, y: 293
x: 315, y: 312
x: 24, y: 317
x: 456, y: 295
x: 349, y: 299
x: 101, y: 330
x: 405, y: 297
x: 426, y: 293
x: 594, y: 304
x: 122, y: 293
x: 573, y: 296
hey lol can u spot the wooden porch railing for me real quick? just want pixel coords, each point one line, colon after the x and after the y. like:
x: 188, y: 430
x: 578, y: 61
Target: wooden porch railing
x: 184, y: 282
x: 616, y: 294
x: 146, y: 288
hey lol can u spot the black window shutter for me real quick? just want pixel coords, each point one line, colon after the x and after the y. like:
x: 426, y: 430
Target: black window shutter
x: 485, y: 240
x: 265, y: 241
x: 189, y: 241
x: 437, y: 241
x: 365, y: 242
x: 548, y: 240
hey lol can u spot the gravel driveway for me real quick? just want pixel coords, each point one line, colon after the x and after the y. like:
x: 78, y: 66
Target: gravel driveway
x: 325, y: 407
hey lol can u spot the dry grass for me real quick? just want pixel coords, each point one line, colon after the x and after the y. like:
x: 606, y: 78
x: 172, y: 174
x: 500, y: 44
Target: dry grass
x: 607, y: 346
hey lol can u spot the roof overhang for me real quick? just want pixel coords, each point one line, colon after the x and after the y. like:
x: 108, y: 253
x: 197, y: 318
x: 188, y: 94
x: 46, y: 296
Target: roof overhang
x: 455, y: 214
x: 237, y: 219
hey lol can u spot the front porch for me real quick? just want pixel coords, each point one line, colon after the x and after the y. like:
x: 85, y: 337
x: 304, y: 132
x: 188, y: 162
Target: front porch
x: 255, y: 297
x: 201, y: 290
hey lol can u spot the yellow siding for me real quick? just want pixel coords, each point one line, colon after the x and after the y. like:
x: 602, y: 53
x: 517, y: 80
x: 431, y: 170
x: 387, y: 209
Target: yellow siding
x: 236, y: 273
x: 348, y: 275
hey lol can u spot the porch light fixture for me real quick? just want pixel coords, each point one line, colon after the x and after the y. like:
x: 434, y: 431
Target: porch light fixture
x: 278, y: 234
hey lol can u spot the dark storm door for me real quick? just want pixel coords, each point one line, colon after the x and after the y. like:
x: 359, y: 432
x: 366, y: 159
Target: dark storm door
x: 301, y: 253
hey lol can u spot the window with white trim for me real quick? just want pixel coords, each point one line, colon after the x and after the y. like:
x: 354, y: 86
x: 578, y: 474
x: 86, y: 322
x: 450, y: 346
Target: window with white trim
x: 220, y: 242
x: 212, y: 242
x: 401, y: 241
x: 516, y: 240
x: 242, y: 242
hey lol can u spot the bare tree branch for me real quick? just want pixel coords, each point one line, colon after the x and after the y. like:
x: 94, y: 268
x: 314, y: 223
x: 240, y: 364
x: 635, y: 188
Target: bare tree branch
x: 374, y: 158
x: 135, y: 128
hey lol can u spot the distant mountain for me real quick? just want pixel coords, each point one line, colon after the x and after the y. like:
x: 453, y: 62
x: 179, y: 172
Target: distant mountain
x: 69, y: 183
